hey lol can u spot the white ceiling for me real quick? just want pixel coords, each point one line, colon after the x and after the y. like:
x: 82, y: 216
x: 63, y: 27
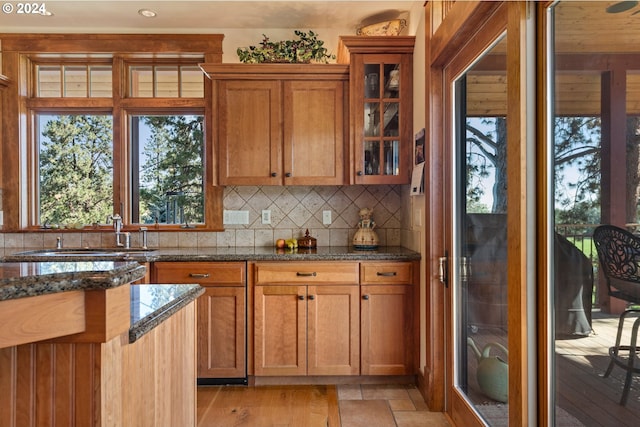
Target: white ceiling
x: 198, y: 16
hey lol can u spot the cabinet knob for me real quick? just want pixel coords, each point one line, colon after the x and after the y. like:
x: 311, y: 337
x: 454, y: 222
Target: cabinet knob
x: 365, y: 297
x: 301, y: 297
x: 274, y: 174
x: 288, y: 174
x: 359, y: 173
x: 311, y: 297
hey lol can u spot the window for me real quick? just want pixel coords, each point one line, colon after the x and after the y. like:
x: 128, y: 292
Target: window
x: 68, y: 81
x: 75, y: 163
x: 80, y: 179
x: 170, y: 81
x: 167, y: 172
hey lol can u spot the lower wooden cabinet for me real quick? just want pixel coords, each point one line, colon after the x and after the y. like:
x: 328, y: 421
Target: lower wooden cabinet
x: 221, y: 313
x: 388, y: 327
x: 302, y: 328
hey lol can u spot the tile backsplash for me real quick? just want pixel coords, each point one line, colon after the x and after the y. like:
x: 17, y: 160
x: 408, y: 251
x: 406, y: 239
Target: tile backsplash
x: 294, y: 209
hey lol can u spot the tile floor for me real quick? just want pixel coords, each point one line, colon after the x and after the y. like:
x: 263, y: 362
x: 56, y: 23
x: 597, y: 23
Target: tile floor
x: 368, y: 405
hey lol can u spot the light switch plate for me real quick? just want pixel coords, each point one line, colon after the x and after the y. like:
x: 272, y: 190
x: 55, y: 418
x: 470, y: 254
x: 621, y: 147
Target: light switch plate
x: 326, y: 217
x: 266, y: 216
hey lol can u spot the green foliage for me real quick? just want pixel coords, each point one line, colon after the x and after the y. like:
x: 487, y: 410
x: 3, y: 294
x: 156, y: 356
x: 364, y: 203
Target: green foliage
x: 76, y: 170
x: 172, y: 173
x: 307, y: 48
x: 76, y: 167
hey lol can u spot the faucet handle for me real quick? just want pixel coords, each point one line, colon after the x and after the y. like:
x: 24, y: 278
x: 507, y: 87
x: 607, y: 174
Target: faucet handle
x: 143, y: 232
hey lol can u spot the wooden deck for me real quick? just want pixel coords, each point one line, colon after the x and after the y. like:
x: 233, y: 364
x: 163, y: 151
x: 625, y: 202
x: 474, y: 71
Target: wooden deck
x: 583, y: 396
x: 581, y: 388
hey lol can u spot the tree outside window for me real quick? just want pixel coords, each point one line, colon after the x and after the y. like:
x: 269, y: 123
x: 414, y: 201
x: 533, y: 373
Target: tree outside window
x: 167, y: 180
x: 75, y: 169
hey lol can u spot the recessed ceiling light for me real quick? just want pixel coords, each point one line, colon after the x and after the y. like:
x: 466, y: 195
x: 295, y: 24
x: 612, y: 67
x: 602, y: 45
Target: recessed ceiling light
x: 147, y: 13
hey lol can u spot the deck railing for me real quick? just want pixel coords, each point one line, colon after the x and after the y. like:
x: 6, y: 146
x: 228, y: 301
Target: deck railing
x: 581, y: 235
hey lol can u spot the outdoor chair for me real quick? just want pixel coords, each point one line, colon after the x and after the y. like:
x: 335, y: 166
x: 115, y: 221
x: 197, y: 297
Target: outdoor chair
x: 619, y: 255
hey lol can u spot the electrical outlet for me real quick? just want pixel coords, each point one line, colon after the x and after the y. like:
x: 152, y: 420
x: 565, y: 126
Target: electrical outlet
x: 326, y: 217
x: 266, y: 216
x: 236, y: 217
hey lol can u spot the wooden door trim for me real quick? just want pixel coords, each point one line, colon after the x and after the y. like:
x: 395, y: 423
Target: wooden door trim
x: 511, y: 15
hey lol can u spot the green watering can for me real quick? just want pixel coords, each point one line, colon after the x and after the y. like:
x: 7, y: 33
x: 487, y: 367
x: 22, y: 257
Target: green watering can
x: 492, y: 372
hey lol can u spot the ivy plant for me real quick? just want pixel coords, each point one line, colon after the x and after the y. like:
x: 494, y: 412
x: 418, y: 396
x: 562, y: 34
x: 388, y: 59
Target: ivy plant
x: 307, y: 48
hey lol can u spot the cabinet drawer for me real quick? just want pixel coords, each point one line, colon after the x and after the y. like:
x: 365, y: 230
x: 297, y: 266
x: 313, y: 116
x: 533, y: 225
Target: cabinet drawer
x: 386, y: 272
x: 203, y: 273
x: 307, y: 272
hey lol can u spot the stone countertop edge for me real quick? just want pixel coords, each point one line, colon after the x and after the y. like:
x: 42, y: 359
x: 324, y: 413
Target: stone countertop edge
x: 42, y: 284
x: 240, y: 253
x: 147, y: 323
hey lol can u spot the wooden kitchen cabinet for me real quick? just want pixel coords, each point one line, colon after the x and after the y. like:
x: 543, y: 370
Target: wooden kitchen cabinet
x: 388, y: 328
x: 280, y: 124
x: 381, y: 107
x: 306, y: 319
x: 221, y: 313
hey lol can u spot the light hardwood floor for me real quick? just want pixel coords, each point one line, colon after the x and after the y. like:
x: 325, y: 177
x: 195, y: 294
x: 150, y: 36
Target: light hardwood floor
x: 351, y: 405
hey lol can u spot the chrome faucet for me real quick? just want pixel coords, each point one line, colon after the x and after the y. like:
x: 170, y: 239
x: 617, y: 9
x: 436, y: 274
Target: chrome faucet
x: 143, y: 240
x: 117, y: 226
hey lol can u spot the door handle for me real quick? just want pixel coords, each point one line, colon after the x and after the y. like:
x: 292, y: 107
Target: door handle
x: 465, y: 269
x: 443, y: 267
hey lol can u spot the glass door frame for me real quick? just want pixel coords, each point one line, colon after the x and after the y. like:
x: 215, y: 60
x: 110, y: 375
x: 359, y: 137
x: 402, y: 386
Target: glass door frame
x: 516, y: 19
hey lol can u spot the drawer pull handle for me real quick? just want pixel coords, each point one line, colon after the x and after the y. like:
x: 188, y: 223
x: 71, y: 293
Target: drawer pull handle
x: 199, y: 275
x: 387, y: 273
x: 301, y: 274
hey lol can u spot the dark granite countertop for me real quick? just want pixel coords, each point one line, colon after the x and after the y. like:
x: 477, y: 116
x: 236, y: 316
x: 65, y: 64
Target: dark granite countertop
x: 153, y: 304
x: 322, y: 253
x: 27, y: 279
x: 150, y: 304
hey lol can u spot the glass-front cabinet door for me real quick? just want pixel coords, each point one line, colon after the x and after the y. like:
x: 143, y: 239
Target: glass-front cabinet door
x: 381, y: 109
x: 381, y: 146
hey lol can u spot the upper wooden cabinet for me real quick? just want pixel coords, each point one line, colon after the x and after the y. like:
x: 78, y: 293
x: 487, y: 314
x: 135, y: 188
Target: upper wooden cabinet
x: 280, y: 124
x: 381, y: 88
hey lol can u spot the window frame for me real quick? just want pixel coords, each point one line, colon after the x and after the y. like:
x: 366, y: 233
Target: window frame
x: 20, y: 55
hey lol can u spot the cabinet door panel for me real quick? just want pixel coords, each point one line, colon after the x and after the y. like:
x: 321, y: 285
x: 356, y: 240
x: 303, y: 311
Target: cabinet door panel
x: 386, y: 330
x: 249, y: 132
x: 280, y: 324
x: 221, y: 333
x: 333, y: 334
x: 221, y: 313
x: 314, y: 132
